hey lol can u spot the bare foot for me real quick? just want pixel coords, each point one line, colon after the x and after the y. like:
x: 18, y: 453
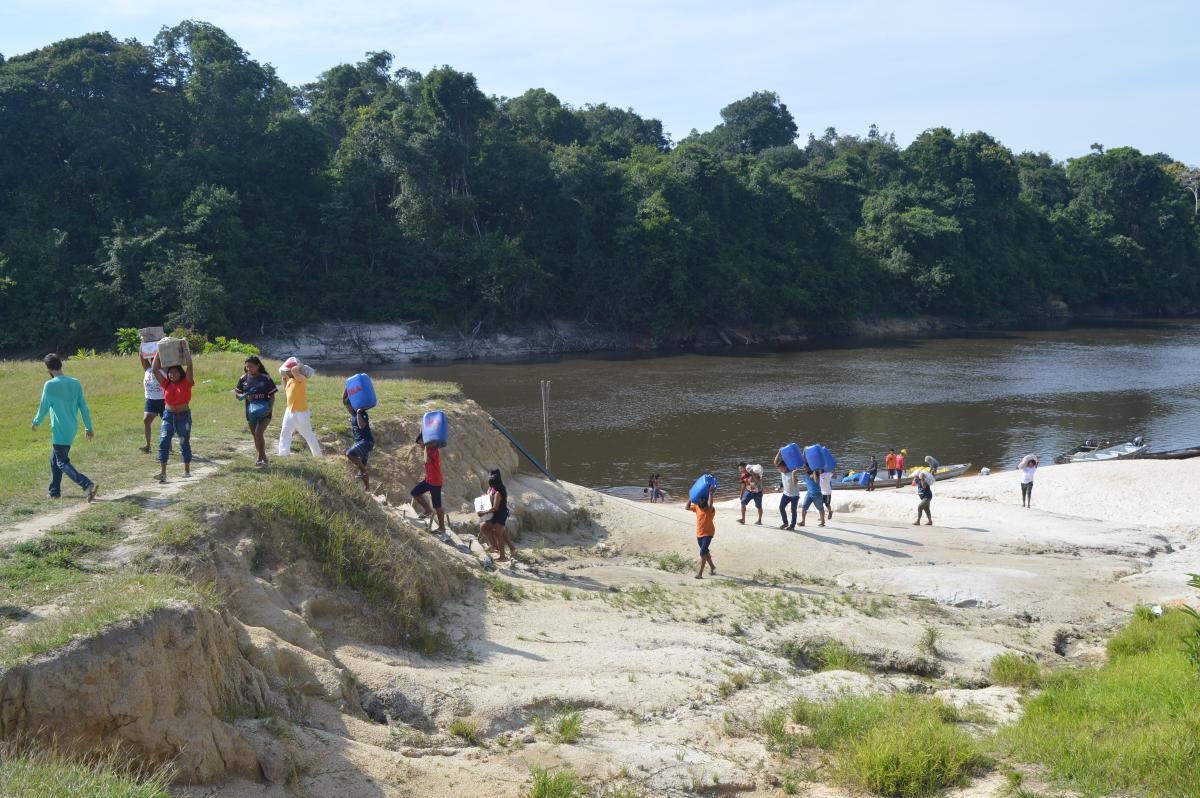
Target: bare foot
x: 699, y: 576
x: 916, y: 523
x: 741, y: 520
x: 758, y: 522
x: 929, y: 522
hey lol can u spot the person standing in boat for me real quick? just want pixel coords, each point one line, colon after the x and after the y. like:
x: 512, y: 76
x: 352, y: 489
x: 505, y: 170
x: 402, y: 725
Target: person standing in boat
x: 1029, y: 467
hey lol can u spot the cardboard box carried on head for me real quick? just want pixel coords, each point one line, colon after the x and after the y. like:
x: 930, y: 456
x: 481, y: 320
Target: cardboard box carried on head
x: 171, y: 351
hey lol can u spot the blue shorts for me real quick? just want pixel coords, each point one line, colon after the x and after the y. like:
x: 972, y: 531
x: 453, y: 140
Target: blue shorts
x: 813, y: 498
x: 704, y: 544
x: 156, y: 406
x: 361, y: 450
x: 434, y: 491
x: 749, y: 496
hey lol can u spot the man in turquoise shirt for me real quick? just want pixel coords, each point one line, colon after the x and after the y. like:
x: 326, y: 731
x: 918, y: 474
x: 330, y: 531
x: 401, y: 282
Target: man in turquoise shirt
x: 62, y: 398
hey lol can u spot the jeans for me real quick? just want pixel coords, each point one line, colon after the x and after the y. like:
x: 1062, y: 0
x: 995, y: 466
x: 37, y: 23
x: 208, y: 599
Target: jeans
x: 60, y: 463
x: 784, y: 501
x: 175, y: 422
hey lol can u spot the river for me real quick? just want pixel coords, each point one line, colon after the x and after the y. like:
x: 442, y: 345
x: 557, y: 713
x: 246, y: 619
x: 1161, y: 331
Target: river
x: 983, y: 398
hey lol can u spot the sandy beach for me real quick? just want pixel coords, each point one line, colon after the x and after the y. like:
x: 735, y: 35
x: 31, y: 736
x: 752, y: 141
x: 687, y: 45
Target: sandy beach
x: 666, y: 669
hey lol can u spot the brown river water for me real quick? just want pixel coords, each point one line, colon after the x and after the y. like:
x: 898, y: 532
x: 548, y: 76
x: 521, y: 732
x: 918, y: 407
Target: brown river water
x: 984, y: 398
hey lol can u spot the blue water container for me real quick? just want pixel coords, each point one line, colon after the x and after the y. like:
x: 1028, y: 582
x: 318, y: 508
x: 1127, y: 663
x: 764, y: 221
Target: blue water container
x: 434, y: 429
x: 827, y: 457
x: 864, y: 478
x: 813, y: 457
x: 360, y: 392
x: 792, y: 456
x: 701, y: 488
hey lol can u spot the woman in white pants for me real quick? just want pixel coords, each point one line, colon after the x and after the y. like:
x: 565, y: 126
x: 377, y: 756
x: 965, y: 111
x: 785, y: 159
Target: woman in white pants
x: 296, y: 418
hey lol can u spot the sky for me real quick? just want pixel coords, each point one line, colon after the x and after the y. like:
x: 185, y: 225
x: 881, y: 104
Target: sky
x: 1051, y: 76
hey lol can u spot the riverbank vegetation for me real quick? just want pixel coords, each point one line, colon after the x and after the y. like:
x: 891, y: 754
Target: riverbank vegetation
x: 181, y: 182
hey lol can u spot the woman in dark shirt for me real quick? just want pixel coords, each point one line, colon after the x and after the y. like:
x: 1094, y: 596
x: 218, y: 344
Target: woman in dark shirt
x: 257, y: 390
x: 493, y: 530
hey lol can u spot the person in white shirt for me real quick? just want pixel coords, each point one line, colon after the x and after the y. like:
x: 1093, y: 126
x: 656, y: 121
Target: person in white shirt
x: 826, y: 482
x: 156, y: 402
x: 1029, y: 467
x: 791, y: 495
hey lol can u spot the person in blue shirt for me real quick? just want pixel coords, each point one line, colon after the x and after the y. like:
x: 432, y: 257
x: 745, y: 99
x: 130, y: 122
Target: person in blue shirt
x: 364, y: 440
x: 811, y: 497
x: 62, y: 400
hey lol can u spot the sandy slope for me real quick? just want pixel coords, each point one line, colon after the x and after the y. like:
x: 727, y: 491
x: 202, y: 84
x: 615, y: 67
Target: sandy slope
x: 645, y: 653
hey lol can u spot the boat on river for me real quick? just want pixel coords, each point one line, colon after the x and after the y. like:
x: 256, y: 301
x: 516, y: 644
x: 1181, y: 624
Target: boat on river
x: 1092, y: 451
x: 1172, y: 454
x: 881, y: 481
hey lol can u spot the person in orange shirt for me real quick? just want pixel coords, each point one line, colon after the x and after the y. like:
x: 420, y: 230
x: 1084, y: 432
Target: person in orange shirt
x: 900, y: 466
x: 705, y: 529
x: 889, y: 463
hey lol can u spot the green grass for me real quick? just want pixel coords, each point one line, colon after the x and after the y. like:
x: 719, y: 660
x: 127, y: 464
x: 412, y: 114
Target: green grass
x: 675, y: 563
x: 555, y: 784
x: 929, y: 640
x: 42, y: 570
x: 894, y: 745
x: 178, y: 531
x: 567, y: 727
x: 1020, y: 670
x: 466, y: 730
x: 113, y: 389
x: 43, y: 774
x: 1131, y: 726
x: 107, y: 601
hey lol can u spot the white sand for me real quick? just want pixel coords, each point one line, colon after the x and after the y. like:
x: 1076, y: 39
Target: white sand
x: 643, y: 652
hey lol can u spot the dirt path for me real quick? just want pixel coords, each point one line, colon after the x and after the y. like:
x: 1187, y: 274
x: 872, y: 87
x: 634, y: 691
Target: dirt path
x: 38, y: 525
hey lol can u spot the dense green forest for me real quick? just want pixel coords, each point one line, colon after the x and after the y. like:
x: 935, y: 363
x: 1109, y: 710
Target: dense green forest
x: 183, y: 182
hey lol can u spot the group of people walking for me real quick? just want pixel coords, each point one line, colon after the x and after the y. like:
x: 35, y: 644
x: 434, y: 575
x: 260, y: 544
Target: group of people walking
x: 168, y: 397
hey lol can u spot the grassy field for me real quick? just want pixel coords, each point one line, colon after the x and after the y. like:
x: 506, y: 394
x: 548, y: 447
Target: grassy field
x: 113, y: 387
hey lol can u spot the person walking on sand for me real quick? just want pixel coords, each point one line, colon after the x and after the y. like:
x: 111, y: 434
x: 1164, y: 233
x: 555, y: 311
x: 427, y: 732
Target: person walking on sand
x: 825, y: 480
x: 1029, y: 467
x: 177, y: 383
x: 752, y: 491
x: 791, y: 494
x: 872, y: 472
x: 296, y: 418
x: 155, y: 402
x: 811, y: 497
x: 62, y: 399
x: 257, y: 390
x: 364, y: 441
x: 924, y: 482
x: 900, y: 460
x: 432, y: 484
x: 706, y: 528
x: 493, y: 529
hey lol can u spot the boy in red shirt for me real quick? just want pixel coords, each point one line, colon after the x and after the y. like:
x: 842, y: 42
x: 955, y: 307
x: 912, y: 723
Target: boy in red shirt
x: 432, y: 484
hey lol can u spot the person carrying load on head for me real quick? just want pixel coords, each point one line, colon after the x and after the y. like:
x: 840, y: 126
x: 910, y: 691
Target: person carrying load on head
x: 924, y: 482
x: 296, y: 418
x: 706, y: 528
x: 364, y: 440
x: 432, y: 484
x: 1029, y: 467
x: 790, y: 483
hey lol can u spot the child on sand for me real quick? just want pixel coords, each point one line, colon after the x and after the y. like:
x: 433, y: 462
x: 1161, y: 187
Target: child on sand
x: 924, y: 483
x: 813, y: 496
x: 705, y: 529
x: 432, y: 484
x: 752, y: 490
x: 364, y: 441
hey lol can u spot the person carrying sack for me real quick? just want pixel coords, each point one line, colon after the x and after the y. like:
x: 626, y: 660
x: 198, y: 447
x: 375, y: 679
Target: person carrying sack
x: 296, y: 418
